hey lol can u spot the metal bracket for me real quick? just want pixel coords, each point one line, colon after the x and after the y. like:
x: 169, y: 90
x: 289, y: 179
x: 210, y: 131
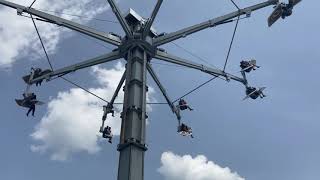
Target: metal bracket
x: 133, y: 142
x: 19, y: 12
x: 131, y: 43
x: 248, y: 13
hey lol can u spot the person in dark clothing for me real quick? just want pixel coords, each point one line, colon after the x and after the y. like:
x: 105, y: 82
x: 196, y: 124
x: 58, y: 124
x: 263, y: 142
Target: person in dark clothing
x: 183, y: 105
x: 248, y: 66
x: 30, y: 101
x: 185, y: 130
x: 32, y: 108
x: 286, y: 10
x: 37, y: 73
x: 254, y: 93
x: 107, y: 134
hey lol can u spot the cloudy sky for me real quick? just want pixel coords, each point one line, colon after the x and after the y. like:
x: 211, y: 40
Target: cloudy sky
x: 274, y: 138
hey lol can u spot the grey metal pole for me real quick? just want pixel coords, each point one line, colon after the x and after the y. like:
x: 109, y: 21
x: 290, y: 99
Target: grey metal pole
x: 132, y: 139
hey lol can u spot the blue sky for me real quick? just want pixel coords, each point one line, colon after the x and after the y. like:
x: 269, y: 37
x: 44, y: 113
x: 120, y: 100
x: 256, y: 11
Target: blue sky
x: 274, y: 138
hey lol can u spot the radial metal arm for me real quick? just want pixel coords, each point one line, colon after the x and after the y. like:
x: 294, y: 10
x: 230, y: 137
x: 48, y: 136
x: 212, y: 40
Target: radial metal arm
x: 123, y: 78
x: 88, y: 63
x: 211, y: 23
x: 152, y: 18
x: 163, y: 91
x: 212, y: 71
x: 120, y: 18
x: 106, y: 37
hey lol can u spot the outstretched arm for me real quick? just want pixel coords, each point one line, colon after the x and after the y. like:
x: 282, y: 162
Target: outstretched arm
x: 182, y: 62
x: 106, y: 37
x: 211, y: 23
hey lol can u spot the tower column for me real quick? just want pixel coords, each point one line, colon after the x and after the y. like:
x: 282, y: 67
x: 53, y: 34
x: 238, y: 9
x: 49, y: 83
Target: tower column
x: 132, y: 139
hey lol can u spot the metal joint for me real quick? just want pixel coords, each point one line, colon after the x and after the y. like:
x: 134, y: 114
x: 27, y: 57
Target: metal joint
x: 132, y: 142
x: 134, y: 108
x: 248, y: 13
x: 20, y: 11
x: 131, y: 43
x: 138, y: 82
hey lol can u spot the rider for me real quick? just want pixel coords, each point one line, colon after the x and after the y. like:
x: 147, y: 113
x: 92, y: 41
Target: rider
x: 286, y: 10
x: 247, y: 66
x: 37, y: 73
x: 107, y: 134
x: 183, y: 105
x: 185, y: 129
x: 30, y: 101
x: 254, y: 93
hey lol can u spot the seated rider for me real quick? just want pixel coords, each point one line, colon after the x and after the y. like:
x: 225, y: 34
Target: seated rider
x: 185, y: 130
x: 37, y: 73
x: 286, y: 10
x: 254, y: 93
x: 183, y: 105
x: 248, y: 66
x: 30, y: 101
x: 107, y: 134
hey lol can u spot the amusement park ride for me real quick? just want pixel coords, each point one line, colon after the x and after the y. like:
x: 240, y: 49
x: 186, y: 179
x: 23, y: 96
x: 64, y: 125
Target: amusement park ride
x: 139, y: 47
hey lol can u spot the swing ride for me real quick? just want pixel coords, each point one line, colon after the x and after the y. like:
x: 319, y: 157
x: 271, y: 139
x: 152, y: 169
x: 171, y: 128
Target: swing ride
x: 140, y: 47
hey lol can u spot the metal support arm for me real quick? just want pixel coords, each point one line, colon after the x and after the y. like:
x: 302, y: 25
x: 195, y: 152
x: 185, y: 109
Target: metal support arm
x: 211, y: 23
x: 88, y: 63
x: 120, y: 18
x: 157, y: 81
x: 123, y: 78
x: 106, y: 37
x: 152, y: 18
x: 212, y: 71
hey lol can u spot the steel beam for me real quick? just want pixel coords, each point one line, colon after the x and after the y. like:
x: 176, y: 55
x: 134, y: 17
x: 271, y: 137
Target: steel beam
x: 211, y: 23
x: 182, y: 62
x: 163, y: 91
x: 106, y: 37
x: 88, y: 63
x: 120, y: 18
x: 123, y: 78
x: 152, y: 18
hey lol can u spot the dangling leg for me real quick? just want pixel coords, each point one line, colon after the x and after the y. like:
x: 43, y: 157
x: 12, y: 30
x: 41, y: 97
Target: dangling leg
x: 189, y: 108
x: 30, y: 109
x: 110, y: 140
x: 33, y: 109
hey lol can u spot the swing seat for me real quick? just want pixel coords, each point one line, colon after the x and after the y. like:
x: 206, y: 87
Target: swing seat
x: 183, y: 107
x: 26, y: 78
x: 106, y: 136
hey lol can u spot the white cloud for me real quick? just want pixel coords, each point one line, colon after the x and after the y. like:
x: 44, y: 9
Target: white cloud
x: 175, y: 167
x: 73, y: 119
x: 18, y: 36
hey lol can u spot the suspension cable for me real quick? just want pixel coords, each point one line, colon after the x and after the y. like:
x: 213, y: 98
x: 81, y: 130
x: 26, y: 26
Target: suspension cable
x: 49, y: 62
x: 189, y: 52
x: 44, y: 49
x: 193, y: 54
x: 235, y: 4
x: 96, y: 42
x: 69, y: 81
x: 231, y: 43
x: 32, y: 3
x: 203, y: 84
x: 193, y: 90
